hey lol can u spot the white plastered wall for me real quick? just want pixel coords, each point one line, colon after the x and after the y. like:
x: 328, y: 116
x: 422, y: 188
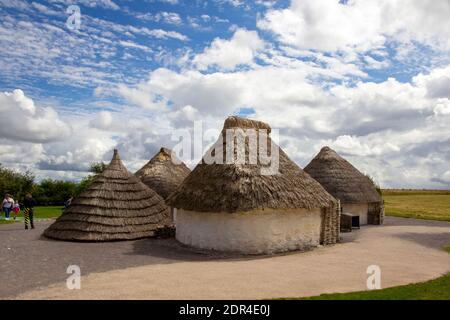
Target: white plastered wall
x: 358, y: 209
x: 254, y: 232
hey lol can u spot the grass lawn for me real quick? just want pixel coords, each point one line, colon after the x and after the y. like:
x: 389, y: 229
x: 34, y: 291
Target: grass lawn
x: 39, y: 213
x: 437, y: 289
x: 418, y: 204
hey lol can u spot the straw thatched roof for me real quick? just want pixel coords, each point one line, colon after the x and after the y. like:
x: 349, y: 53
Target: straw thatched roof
x: 341, y: 179
x: 242, y: 187
x: 161, y: 174
x: 116, y: 206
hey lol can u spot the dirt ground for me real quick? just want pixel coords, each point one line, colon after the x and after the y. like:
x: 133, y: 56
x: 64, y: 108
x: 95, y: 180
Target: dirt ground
x: 31, y: 267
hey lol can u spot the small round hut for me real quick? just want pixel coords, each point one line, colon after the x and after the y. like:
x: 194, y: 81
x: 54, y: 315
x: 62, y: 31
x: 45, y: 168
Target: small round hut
x: 356, y: 192
x: 116, y: 206
x: 239, y: 207
x: 163, y: 173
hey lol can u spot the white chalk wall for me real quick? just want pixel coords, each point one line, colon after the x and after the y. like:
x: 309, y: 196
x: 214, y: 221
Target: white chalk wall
x: 254, y: 232
x: 359, y: 209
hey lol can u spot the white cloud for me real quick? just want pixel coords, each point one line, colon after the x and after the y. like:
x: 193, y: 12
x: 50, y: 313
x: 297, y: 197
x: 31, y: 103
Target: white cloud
x: 106, y: 4
x: 391, y: 130
x: 329, y: 25
x: 228, y: 54
x: 164, y: 16
x: 169, y: 17
x: 22, y: 120
x: 437, y: 82
x: 102, y: 120
x: 314, y: 83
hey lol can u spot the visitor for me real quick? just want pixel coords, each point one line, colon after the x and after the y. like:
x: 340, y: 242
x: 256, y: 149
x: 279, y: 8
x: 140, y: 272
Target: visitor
x: 7, y: 205
x: 68, y: 203
x: 16, y: 209
x: 28, y: 212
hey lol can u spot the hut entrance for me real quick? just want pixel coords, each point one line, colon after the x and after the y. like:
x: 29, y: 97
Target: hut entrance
x: 355, y: 222
x: 349, y: 222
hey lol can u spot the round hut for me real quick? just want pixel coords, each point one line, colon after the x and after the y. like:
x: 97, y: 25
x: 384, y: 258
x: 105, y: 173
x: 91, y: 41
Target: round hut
x: 116, y: 206
x: 356, y: 192
x: 163, y: 173
x: 239, y: 207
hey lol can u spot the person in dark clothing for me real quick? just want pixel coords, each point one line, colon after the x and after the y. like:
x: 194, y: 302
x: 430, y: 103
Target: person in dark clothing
x: 28, y: 211
x: 68, y: 203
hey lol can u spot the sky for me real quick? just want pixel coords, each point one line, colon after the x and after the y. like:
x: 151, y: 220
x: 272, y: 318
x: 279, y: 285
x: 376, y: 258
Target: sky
x: 369, y: 78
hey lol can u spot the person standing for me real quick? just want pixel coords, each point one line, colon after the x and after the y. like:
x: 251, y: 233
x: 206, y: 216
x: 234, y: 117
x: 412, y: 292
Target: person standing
x: 28, y: 211
x: 7, y: 205
x: 68, y: 203
x: 16, y: 209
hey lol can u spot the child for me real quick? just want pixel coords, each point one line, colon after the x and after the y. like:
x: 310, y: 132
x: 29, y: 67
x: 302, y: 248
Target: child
x: 16, y: 209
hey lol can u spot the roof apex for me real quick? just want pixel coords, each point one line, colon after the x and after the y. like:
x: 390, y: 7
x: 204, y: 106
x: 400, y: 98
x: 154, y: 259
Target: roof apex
x: 244, y: 123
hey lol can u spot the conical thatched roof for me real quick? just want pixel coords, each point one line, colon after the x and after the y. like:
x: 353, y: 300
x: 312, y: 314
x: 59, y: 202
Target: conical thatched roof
x: 242, y: 187
x: 341, y: 179
x: 116, y: 206
x: 163, y: 173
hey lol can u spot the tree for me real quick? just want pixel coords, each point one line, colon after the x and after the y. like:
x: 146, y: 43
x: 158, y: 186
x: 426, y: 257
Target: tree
x: 15, y: 183
x: 54, y: 192
x: 98, y: 167
x: 48, y: 191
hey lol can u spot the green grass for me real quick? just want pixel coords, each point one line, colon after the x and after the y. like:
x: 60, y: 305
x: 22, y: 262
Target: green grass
x: 39, y: 213
x: 409, y: 192
x: 437, y: 289
x: 47, y: 212
x: 418, y: 204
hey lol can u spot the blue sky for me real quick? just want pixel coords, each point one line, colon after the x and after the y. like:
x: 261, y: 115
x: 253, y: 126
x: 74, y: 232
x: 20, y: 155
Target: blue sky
x: 369, y: 78
x: 194, y: 24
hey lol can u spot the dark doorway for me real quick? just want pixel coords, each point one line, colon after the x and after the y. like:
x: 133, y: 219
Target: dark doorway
x: 355, y: 222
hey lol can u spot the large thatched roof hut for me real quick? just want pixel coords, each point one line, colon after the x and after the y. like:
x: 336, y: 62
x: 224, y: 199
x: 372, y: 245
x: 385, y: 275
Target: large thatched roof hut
x: 163, y: 173
x: 240, y: 207
x: 356, y: 191
x: 116, y: 206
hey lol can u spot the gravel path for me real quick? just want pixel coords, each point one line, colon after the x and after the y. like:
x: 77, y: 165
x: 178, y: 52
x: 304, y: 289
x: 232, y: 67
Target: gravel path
x: 29, y: 261
x: 407, y: 251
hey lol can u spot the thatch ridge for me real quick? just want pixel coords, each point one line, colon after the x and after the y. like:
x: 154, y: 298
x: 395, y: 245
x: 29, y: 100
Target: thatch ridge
x: 244, y: 123
x: 116, y: 206
x: 242, y: 187
x: 163, y: 173
x: 340, y: 178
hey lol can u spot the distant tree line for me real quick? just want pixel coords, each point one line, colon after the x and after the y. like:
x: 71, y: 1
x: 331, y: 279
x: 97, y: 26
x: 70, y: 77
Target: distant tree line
x: 48, y: 192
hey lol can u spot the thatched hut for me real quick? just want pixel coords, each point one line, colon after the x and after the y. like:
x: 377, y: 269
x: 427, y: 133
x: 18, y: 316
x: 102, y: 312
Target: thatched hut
x: 163, y: 173
x: 116, y: 206
x: 234, y: 207
x: 357, y: 193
